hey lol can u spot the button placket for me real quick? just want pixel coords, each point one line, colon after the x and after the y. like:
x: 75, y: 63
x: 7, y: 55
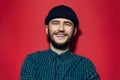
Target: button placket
x: 57, y: 68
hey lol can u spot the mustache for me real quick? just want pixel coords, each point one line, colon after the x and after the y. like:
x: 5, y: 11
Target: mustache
x: 62, y: 33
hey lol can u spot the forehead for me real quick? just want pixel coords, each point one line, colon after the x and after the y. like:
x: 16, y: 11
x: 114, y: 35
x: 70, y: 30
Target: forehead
x: 61, y: 20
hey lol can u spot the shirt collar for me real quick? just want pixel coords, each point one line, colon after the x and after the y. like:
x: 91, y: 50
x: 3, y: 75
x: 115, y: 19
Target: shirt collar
x: 62, y: 56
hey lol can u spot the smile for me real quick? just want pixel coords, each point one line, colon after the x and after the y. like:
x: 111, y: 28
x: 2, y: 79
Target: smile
x: 60, y: 36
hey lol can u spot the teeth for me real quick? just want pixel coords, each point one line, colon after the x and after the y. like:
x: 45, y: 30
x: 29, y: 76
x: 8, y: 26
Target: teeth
x: 60, y: 35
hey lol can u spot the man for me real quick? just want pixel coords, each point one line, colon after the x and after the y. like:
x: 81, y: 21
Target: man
x: 58, y: 62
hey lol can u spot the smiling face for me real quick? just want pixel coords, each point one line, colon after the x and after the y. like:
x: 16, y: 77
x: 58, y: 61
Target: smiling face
x: 60, y: 32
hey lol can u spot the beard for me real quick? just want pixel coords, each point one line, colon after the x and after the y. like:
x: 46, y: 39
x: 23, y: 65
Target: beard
x: 61, y: 46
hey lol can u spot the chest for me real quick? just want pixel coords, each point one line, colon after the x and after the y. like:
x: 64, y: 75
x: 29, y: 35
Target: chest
x: 58, y: 70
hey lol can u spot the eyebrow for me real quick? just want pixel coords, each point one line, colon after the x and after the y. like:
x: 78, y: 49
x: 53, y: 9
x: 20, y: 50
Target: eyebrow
x: 55, y: 21
x: 64, y: 21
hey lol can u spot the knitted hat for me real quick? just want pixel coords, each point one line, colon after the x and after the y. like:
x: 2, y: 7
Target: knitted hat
x: 62, y: 11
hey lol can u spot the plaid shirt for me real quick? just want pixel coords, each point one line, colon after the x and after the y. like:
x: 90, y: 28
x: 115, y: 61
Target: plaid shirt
x: 48, y: 65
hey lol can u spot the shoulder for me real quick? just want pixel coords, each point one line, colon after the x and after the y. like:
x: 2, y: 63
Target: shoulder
x: 84, y: 61
x: 36, y: 56
x: 38, y: 53
x: 79, y: 57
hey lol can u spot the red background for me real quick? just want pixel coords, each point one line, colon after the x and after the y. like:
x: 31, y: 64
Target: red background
x: 22, y: 31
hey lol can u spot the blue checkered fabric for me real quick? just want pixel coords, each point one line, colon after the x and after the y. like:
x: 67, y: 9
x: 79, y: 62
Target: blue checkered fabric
x: 48, y: 65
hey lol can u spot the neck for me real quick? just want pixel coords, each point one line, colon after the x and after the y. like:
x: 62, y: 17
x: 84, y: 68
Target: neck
x: 58, y: 51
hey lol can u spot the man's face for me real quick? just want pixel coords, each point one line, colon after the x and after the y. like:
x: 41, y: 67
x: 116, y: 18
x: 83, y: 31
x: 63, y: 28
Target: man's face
x: 60, y: 32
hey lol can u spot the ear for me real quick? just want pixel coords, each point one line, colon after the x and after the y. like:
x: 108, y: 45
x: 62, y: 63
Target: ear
x: 46, y: 29
x: 75, y: 31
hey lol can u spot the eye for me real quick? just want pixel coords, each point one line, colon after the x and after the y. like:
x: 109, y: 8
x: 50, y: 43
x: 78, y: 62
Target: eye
x: 55, y: 22
x: 68, y: 24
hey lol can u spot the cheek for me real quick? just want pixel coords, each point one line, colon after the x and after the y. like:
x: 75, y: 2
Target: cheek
x: 69, y: 31
x: 51, y: 32
x: 53, y: 28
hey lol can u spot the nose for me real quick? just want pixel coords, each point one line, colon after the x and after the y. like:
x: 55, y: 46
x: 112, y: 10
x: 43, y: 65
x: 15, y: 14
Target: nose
x: 61, y: 28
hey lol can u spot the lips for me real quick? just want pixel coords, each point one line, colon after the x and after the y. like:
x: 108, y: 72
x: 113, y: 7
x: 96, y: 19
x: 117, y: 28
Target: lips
x: 60, y: 35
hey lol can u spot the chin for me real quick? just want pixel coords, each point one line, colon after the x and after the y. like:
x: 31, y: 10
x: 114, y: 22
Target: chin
x: 60, y: 42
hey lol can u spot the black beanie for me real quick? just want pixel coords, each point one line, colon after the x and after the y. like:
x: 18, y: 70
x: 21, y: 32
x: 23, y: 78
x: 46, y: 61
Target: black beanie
x: 62, y: 11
